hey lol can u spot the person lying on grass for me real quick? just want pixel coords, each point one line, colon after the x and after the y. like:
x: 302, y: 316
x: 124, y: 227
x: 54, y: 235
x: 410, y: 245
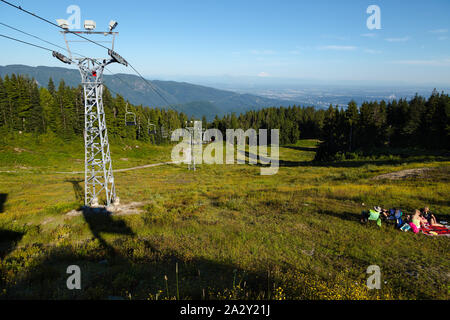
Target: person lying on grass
x: 373, y: 215
x: 406, y: 224
x: 416, y: 221
x: 391, y: 214
x: 429, y: 217
x: 386, y: 213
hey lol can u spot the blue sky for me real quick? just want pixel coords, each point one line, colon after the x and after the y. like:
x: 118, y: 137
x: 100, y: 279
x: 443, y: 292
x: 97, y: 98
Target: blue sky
x: 322, y: 40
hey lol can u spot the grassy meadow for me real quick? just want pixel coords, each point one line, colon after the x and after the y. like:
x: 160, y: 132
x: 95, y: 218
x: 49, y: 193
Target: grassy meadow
x: 230, y: 232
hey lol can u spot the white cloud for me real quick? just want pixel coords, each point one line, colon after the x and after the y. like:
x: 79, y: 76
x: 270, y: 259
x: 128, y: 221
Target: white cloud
x: 404, y: 39
x: 328, y: 36
x: 263, y: 52
x: 372, y: 51
x: 338, y: 48
x: 439, y: 31
x: 442, y: 38
x: 369, y: 35
x: 433, y: 63
x: 263, y: 74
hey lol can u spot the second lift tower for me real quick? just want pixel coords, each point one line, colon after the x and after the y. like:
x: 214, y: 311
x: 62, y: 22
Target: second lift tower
x: 195, y: 143
x: 99, y: 175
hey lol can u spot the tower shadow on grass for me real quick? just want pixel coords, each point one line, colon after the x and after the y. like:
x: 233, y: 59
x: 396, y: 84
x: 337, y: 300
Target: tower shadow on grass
x: 3, y: 197
x: 136, y: 265
x: 114, y: 278
x: 101, y: 221
x: 8, y: 240
x: 141, y: 266
x: 77, y: 189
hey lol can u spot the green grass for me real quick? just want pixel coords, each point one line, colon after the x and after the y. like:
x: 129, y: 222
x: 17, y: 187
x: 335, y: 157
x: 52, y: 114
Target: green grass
x: 233, y: 232
x: 47, y: 154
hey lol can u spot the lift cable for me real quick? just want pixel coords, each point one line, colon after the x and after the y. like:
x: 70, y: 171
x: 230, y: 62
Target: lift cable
x: 28, y: 34
x: 31, y: 35
x: 47, y: 49
x: 53, y: 44
x: 36, y: 37
x: 28, y: 43
x: 52, y: 23
x: 92, y: 41
x: 150, y: 85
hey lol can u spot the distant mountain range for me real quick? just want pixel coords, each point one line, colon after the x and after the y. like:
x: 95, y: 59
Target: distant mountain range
x: 194, y: 100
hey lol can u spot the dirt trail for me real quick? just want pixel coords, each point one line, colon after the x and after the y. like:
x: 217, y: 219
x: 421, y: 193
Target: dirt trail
x: 128, y: 169
x: 117, y: 170
x: 403, y: 174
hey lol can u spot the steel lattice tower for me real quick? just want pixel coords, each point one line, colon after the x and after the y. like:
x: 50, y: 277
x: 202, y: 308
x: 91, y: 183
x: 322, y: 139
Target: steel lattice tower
x: 195, y: 142
x: 98, y: 165
x: 98, y: 173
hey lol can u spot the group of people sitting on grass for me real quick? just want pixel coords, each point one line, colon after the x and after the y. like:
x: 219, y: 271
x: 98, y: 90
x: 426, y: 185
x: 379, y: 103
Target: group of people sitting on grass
x: 419, y: 220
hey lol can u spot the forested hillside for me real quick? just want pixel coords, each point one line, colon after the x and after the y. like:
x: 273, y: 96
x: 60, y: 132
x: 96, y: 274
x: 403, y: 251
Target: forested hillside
x: 194, y: 100
x: 420, y: 122
x: 24, y: 107
x: 417, y: 123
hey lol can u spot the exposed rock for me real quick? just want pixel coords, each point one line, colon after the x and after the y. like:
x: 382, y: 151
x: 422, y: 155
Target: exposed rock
x: 403, y: 174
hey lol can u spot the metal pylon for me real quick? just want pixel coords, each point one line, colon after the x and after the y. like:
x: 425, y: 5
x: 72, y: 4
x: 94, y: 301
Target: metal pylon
x: 98, y: 166
x: 195, y: 143
x: 98, y: 171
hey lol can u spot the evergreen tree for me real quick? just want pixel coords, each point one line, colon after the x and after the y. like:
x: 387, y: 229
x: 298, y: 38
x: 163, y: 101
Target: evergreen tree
x: 419, y: 122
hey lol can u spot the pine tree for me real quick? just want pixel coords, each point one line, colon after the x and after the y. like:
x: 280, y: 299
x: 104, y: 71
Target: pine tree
x: 351, y: 117
x: 36, y: 121
x: 3, y: 105
x: 47, y: 102
x: 51, y: 87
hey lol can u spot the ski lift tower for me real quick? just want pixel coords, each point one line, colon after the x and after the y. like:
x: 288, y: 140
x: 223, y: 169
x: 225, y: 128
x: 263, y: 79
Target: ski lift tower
x: 195, y: 138
x: 98, y: 165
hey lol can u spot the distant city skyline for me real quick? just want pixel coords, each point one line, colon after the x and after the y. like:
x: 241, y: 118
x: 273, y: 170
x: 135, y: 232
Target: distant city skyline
x: 270, y: 41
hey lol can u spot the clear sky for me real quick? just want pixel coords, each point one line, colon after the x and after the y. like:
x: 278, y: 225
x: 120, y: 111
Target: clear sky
x: 325, y: 40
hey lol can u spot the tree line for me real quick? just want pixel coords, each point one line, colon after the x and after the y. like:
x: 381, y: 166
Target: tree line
x: 26, y: 107
x: 294, y: 122
x: 418, y: 122
x: 415, y: 123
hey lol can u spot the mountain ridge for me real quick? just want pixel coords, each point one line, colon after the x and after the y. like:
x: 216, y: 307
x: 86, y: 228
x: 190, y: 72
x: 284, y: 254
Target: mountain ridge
x: 194, y: 100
